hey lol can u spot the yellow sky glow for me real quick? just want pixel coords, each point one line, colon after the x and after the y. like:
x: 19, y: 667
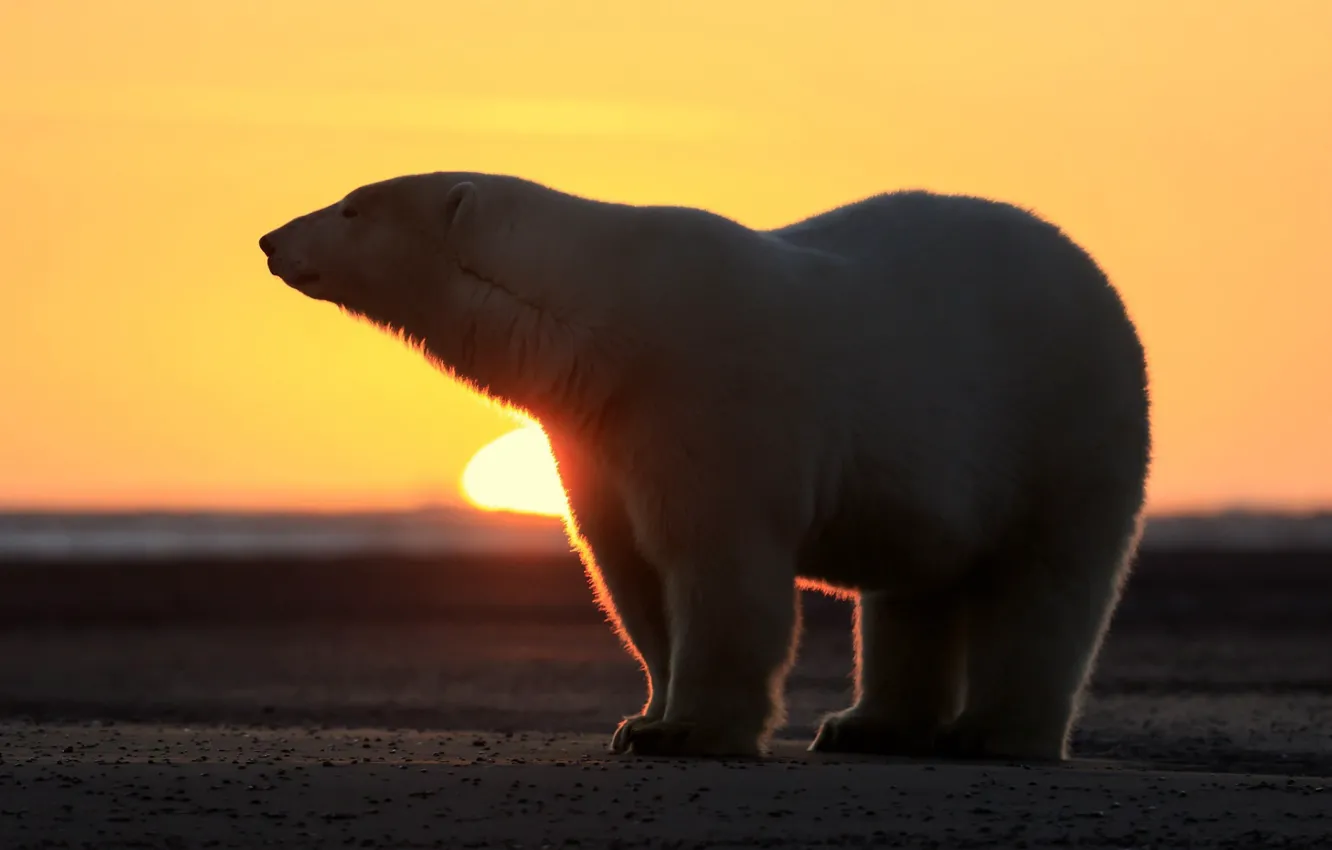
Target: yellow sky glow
x: 148, y: 359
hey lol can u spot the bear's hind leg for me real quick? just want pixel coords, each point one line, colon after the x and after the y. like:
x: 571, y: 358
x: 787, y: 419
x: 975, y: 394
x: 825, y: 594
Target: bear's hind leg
x: 909, y: 677
x: 1034, y: 634
x: 733, y: 621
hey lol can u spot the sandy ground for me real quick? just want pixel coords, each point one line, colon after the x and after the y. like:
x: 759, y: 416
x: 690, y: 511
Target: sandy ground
x: 161, y: 786
x: 1210, y: 725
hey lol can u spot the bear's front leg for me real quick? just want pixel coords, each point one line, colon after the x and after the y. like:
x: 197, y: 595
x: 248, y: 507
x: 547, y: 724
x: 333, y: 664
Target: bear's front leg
x: 628, y: 588
x: 733, y: 621
x: 632, y: 594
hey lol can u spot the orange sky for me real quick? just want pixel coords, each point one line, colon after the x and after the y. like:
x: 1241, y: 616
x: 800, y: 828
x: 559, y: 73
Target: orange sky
x: 147, y: 358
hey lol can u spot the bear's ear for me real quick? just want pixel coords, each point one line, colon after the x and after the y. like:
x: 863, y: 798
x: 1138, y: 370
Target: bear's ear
x: 459, y: 210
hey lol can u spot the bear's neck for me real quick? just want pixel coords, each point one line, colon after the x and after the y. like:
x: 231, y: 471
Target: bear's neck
x: 525, y: 354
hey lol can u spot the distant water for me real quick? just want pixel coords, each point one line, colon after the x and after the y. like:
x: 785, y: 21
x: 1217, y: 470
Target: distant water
x: 93, y: 536
x: 449, y: 531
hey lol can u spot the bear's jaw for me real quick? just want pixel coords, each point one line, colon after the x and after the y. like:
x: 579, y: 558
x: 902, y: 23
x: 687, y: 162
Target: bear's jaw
x: 307, y: 283
x: 299, y: 277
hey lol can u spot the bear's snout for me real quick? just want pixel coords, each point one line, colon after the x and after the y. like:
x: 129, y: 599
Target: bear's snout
x: 292, y: 270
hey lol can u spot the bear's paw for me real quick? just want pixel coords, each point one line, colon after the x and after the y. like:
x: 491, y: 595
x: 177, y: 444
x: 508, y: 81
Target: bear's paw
x: 852, y: 732
x: 967, y: 741
x: 674, y: 738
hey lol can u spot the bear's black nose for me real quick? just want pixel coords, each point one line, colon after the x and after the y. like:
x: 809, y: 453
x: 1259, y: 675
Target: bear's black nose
x: 266, y: 244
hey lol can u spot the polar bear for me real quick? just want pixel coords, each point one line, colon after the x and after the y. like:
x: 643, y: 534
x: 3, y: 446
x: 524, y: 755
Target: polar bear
x: 934, y: 403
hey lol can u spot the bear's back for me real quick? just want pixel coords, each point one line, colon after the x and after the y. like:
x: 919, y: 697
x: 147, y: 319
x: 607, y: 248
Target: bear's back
x: 982, y: 347
x: 937, y: 272
x: 922, y: 238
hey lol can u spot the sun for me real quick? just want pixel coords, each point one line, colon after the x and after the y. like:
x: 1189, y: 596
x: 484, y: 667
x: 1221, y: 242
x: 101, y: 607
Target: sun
x: 515, y: 472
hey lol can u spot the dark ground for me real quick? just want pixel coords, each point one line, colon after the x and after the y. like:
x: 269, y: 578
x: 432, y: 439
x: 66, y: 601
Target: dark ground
x: 1217, y: 664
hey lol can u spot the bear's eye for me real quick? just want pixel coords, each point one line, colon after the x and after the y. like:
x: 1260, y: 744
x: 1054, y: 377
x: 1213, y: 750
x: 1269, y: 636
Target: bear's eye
x: 349, y: 212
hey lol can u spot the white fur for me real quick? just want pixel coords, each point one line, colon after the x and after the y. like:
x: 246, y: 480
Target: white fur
x: 934, y: 402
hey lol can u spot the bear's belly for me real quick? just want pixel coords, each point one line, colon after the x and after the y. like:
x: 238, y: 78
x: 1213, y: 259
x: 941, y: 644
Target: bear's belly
x: 886, y: 552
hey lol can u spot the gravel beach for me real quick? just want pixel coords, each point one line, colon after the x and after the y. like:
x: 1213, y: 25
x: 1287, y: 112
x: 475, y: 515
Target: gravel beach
x: 423, y: 704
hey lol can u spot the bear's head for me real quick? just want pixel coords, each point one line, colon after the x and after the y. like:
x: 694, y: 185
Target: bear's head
x: 485, y: 275
x: 385, y: 251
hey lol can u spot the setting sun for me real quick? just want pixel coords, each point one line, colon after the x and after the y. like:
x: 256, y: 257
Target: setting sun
x: 515, y: 472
